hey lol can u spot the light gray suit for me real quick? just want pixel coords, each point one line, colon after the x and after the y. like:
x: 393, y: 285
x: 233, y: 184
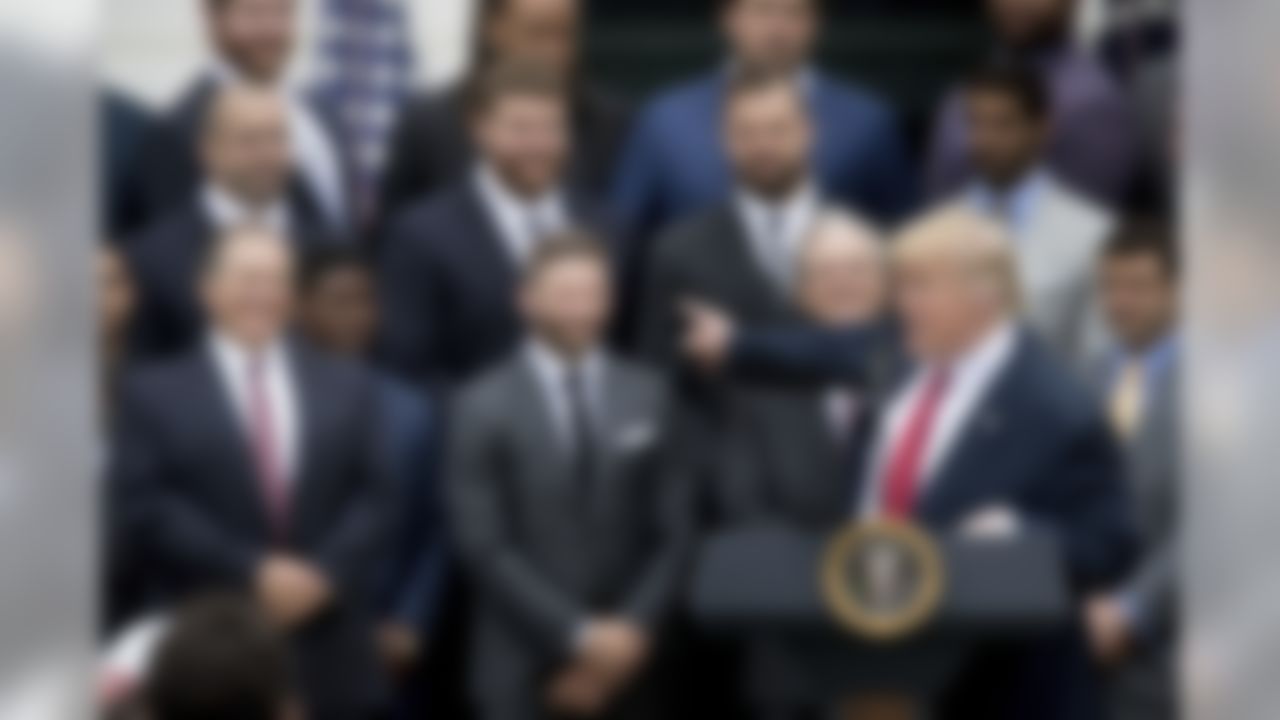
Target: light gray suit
x: 1057, y: 245
x: 1144, y: 689
x: 543, y: 558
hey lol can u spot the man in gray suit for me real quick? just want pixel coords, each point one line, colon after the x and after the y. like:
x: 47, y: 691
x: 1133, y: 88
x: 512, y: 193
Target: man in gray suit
x: 569, y: 506
x: 1131, y: 628
x: 1056, y: 231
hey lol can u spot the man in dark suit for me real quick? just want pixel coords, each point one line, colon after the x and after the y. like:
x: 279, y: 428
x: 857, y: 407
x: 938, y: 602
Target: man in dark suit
x: 253, y: 41
x: 983, y: 434
x: 251, y: 464
x: 451, y: 264
x: 1132, y: 625
x: 676, y: 163
x: 245, y: 153
x: 740, y: 254
x: 339, y: 312
x: 569, y: 507
x: 123, y: 128
x: 432, y: 146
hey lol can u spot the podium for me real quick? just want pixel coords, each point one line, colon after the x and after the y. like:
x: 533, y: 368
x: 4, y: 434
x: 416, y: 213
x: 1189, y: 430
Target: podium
x: 764, y: 585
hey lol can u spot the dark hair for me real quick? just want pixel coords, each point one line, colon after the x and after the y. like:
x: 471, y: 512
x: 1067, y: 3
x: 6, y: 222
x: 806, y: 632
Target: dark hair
x: 319, y: 264
x: 576, y: 244
x: 1145, y: 236
x: 220, y: 659
x: 493, y: 84
x: 1015, y: 81
x: 746, y: 82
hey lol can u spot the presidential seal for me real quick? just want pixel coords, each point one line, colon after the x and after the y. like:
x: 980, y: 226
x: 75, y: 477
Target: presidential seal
x: 882, y: 580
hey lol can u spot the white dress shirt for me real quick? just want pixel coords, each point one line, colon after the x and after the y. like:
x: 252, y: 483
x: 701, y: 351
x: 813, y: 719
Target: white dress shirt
x: 971, y: 377
x: 776, y: 230
x: 226, y: 211
x: 232, y: 361
x: 315, y: 155
x: 552, y: 371
x: 519, y: 219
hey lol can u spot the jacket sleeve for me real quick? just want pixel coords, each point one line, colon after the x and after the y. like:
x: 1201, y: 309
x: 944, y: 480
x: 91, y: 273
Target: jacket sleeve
x: 549, y: 616
x: 803, y: 355
x: 1088, y: 508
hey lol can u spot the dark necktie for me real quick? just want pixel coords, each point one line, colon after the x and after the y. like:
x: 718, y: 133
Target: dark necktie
x: 581, y: 434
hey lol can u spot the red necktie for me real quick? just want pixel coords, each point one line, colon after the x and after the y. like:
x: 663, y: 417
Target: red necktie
x: 266, y: 449
x: 902, y: 475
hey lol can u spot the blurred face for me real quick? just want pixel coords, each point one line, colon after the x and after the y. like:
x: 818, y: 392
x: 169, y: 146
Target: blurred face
x: 256, y: 36
x: 116, y: 296
x: 525, y: 138
x: 568, y: 304
x: 775, y: 35
x: 1139, y: 298
x: 842, y: 279
x: 246, y: 145
x: 248, y: 290
x: 340, y: 311
x: 942, y: 307
x: 1004, y: 140
x: 769, y: 140
x: 1027, y: 23
x: 542, y: 32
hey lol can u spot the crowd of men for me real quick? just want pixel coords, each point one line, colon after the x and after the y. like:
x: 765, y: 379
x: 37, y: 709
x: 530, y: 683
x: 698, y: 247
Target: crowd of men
x: 449, y: 454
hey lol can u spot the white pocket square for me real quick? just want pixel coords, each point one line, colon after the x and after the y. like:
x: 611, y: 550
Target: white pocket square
x: 635, y: 437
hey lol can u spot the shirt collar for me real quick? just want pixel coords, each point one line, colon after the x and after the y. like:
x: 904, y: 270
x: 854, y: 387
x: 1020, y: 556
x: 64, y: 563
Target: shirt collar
x: 498, y: 194
x: 226, y: 210
x: 801, y: 203
x: 1156, y: 359
x: 553, y: 368
x: 1016, y: 206
x: 986, y: 357
x: 231, y: 354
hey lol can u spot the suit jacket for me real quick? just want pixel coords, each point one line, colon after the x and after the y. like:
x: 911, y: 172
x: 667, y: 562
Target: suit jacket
x: 124, y: 127
x: 186, y: 485
x: 165, y: 259
x: 1145, y: 687
x: 172, y: 159
x: 1058, y: 243
x: 449, y: 282
x: 707, y: 256
x: 542, y: 557
x: 431, y: 147
x: 675, y: 164
x: 1036, y: 444
x: 783, y: 461
x: 412, y: 587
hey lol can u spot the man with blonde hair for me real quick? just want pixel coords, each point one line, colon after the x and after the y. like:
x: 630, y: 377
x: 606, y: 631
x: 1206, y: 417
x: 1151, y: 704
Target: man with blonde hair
x: 984, y: 434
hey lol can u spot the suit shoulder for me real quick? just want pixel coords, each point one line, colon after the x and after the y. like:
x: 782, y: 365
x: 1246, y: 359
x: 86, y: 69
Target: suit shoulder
x: 852, y: 98
x: 427, y: 213
x: 1056, y: 393
x: 677, y: 103
x: 162, y: 379
x: 1088, y: 216
x: 490, y: 388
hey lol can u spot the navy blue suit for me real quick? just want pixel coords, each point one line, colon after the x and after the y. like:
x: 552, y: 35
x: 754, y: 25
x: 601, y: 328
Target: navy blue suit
x: 1038, y: 445
x: 183, y: 481
x: 410, y: 593
x: 172, y: 158
x: 675, y: 163
x: 450, y: 282
x: 165, y: 259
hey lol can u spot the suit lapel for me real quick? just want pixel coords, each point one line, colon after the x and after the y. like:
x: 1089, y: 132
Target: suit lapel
x: 487, y: 240
x: 536, y: 418
x: 312, y: 409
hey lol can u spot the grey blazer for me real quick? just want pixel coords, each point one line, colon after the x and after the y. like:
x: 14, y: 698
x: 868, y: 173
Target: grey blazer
x: 1144, y: 689
x: 542, y: 558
